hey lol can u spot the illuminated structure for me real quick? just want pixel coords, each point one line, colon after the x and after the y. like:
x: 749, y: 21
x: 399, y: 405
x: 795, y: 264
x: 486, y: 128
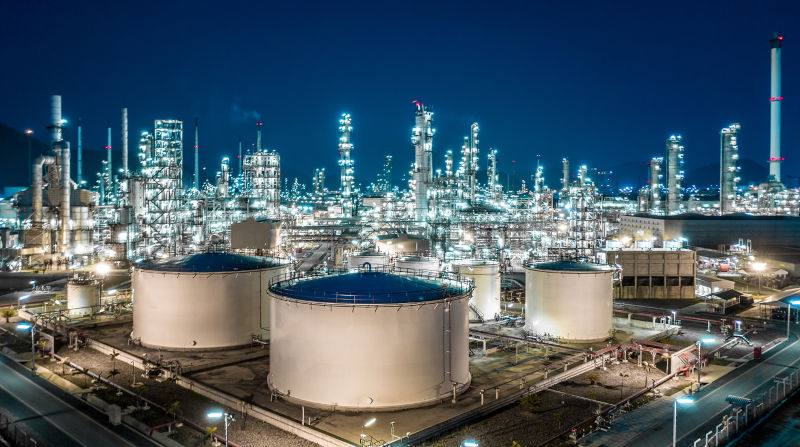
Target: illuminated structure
x: 385, y: 176
x: 674, y: 174
x: 655, y: 184
x: 422, y: 139
x: 319, y: 183
x: 162, y: 173
x: 262, y: 182
x: 728, y: 169
x: 345, y: 162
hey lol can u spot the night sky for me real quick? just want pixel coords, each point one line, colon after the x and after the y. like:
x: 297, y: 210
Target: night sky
x: 600, y: 82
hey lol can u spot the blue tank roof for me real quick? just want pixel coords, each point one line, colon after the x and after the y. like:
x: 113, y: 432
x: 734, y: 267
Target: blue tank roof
x: 369, y: 288
x: 211, y: 262
x: 570, y: 266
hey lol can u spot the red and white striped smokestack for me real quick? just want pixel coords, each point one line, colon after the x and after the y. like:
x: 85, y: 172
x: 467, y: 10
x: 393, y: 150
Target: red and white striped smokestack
x: 775, y: 100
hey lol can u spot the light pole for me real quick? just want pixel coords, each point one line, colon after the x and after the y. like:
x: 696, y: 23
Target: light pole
x: 29, y: 132
x: 216, y: 414
x: 706, y: 340
x: 32, y: 327
x: 791, y: 303
x: 680, y: 400
x: 759, y: 267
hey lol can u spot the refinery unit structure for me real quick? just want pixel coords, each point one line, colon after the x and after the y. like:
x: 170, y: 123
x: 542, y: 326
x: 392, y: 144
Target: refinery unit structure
x: 333, y: 280
x: 154, y: 211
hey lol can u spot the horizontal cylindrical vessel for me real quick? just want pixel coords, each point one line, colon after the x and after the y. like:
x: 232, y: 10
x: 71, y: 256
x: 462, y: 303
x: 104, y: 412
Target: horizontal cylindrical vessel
x: 486, y: 296
x: 203, y: 301
x: 373, y: 260
x: 571, y: 301
x: 369, y: 341
x: 416, y: 263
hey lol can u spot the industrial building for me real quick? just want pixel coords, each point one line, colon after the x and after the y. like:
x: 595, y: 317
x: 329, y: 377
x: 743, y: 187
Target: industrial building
x: 654, y: 273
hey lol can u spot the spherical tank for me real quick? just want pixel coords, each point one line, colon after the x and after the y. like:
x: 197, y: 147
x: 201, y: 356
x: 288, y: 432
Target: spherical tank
x: 203, y: 301
x: 82, y: 294
x: 486, y: 275
x: 376, y: 261
x: 416, y: 263
x: 569, y: 300
x: 369, y: 340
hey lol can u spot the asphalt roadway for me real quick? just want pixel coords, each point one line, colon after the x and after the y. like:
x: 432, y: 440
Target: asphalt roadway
x: 56, y: 417
x: 652, y: 424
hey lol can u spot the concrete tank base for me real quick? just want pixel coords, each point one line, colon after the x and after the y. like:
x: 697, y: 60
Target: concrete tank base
x: 460, y: 389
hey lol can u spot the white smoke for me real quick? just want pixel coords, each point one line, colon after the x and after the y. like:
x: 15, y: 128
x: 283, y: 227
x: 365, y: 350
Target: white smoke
x: 240, y: 115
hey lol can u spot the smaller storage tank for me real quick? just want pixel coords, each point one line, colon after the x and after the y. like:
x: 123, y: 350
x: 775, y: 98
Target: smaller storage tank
x: 203, y: 300
x: 377, y: 261
x: 416, y: 263
x: 486, y: 296
x: 569, y: 300
x: 83, y: 292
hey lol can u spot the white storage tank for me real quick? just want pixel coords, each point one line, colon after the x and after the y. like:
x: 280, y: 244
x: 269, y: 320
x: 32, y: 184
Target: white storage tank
x: 376, y: 261
x: 369, y: 341
x: 486, y: 296
x: 569, y: 300
x: 83, y: 293
x: 203, y: 301
x: 416, y: 264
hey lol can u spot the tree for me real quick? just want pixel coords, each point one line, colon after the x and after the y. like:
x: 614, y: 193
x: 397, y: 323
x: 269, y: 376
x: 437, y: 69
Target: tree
x: 558, y: 417
x: 173, y: 409
x: 593, y: 378
x: 139, y: 391
x: 532, y: 402
x: 8, y: 313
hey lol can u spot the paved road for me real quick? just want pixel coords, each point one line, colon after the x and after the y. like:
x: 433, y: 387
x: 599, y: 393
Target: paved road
x: 652, y: 424
x: 55, y: 416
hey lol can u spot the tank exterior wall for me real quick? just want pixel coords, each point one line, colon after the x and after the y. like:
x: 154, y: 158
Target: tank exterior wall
x: 369, y: 357
x: 201, y: 310
x: 80, y: 297
x: 486, y: 295
x: 573, y: 306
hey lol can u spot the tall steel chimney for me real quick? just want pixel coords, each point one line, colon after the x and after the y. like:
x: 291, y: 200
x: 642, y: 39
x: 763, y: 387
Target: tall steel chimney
x: 564, y: 174
x: 125, y: 141
x: 109, y: 171
x: 240, y: 156
x: 80, y: 153
x: 56, y: 122
x: 258, y: 138
x: 196, y: 156
x: 775, y: 100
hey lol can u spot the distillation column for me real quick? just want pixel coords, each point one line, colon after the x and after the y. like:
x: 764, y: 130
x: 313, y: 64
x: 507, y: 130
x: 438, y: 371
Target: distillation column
x: 728, y: 169
x: 655, y: 183
x: 422, y: 139
x: 674, y: 174
x: 345, y: 162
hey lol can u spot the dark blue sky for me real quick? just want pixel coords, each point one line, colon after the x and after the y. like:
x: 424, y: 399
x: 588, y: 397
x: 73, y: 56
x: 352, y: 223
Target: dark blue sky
x: 600, y: 82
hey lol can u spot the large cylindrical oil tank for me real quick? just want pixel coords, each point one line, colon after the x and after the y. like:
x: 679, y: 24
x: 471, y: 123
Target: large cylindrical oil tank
x: 375, y: 260
x: 83, y: 293
x: 203, y: 301
x: 571, y: 301
x: 486, y: 275
x: 416, y: 263
x: 369, y: 341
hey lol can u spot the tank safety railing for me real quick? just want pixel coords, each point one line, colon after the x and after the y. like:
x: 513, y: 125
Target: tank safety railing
x: 447, y: 285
